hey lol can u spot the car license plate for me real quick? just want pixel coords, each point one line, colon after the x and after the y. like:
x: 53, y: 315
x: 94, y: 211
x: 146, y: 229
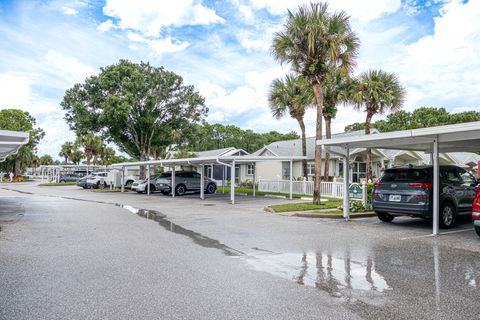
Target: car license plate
x: 395, y: 197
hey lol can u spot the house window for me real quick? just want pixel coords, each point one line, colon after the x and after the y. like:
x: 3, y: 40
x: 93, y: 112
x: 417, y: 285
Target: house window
x: 310, y: 168
x: 359, y: 171
x: 250, y: 169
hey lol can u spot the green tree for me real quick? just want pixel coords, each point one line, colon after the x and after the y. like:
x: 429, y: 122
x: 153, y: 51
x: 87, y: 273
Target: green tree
x: 46, y: 160
x: 292, y: 96
x: 18, y: 120
x: 66, y: 151
x: 91, y: 145
x: 134, y: 105
x: 77, y: 156
x: 313, y: 41
x: 376, y: 92
x: 335, y: 91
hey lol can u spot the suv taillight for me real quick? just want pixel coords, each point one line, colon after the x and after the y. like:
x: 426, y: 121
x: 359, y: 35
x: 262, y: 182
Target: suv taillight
x: 476, y: 206
x: 423, y: 185
x: 376, y: 184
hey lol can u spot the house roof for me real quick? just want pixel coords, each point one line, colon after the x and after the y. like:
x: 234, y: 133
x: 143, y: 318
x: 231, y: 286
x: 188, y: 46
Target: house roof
x: 231, y: 151
x: 294, y: 147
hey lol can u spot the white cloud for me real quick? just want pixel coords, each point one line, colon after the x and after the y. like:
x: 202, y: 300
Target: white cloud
x: 159, y: 46
x: 442, y: 69
x: 362, y: 10
x: 69, y: 11
x: 106, y: 26
x: 150, y: 16
x: 14, y: 90
x: 68, y: 68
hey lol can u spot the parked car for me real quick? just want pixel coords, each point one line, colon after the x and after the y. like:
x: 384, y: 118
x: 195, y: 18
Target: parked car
x: 140, y: 186
x: 476, y: 212
x: 82, y: 182
x: 185, y: 181
x: 97, y: 180
x: 68, y: 177
x: 409, y: 191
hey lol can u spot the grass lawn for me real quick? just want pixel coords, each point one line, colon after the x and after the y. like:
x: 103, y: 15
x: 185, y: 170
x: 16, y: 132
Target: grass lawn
x: 53, y: 184
x: 305, y: 206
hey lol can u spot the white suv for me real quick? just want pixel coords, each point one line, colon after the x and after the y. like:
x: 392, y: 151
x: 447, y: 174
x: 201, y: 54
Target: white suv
x: 97, y: 180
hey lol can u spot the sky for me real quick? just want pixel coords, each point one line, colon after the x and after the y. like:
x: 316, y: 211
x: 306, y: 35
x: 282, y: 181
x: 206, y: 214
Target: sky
x: 223, y: 48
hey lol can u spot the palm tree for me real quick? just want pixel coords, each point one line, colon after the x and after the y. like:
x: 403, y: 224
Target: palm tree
x: 77, y: 156
x: 91, y: 144
x: 376, y: 92
x: 66, y: 150
x: 314, y: 40
x: 335, y: 91
x: 292, y: 95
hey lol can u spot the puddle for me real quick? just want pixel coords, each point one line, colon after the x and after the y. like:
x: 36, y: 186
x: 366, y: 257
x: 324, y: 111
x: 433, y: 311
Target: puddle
x: 196, y: 237
x: 339, y: 276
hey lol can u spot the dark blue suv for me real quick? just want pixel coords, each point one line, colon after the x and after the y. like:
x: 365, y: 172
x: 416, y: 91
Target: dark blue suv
x: 409, y: 191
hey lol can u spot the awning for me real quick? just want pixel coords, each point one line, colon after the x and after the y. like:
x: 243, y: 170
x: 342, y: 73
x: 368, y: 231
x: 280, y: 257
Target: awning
x: 11, y: 141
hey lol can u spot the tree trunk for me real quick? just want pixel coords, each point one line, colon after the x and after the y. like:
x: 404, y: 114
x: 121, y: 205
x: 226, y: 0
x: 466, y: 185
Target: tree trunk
x: 369, y: 151
x: 318, y: 90
x: 17, y: 164
x: 143, y: 157
x: 304, y: 146
x: 328, y: 135
x: 66, y: 159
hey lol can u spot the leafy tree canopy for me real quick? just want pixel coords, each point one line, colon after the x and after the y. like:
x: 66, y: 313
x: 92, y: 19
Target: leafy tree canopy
x: 218, y: 136
x: 137, y: 106
x: 420, y: 118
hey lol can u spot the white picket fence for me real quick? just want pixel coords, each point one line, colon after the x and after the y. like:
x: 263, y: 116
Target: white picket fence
x: 332, y: 189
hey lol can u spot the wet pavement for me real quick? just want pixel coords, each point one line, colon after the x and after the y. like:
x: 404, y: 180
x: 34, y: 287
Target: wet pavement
x: 72, y: 253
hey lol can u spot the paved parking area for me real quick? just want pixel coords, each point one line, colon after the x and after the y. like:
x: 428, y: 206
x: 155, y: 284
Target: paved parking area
x: 258, y: 264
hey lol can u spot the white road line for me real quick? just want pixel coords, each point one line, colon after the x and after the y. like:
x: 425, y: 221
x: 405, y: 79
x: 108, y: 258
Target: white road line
x: 440, y: 234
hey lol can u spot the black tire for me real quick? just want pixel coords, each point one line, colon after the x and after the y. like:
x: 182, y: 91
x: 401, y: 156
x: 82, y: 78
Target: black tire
x: 180, y: 190
x: 152, y: 188
x: 98, y: 185
x: 385, y: 217
x: 166, y: 193
x: 63, y: 181
x: 447, y: 215
x: 105, y: 185
x: 211, y: 188
x: 128, y: 183
x: 477, y: 230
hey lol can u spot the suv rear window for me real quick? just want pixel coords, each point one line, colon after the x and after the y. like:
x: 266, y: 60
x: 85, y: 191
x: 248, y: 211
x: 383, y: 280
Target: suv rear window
x: 405, y: 175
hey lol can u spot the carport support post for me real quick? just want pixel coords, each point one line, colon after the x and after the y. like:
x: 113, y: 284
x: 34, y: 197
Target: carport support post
x: 232, y: 182
x: 436, y: 192
x: 224, y: 168
x: 123, y: 179
x: 254, y: 179
x: 346, y: 175
x: 202, y: 182
x: 173, y: 181
x: 148, y: 180
x: 291, y: 179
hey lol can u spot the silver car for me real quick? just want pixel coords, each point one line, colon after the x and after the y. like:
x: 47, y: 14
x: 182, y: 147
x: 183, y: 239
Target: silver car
x: 141, y: 186
x: 185, y: 181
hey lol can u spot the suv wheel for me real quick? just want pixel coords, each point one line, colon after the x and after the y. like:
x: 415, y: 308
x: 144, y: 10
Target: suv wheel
x: 152, y: 188
x: 447, y: 215
x: 211, y: 188
x: 180, y: 190
x: 477, y: 230
x: 385, y: 217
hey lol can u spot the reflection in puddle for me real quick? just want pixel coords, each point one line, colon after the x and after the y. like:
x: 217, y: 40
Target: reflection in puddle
x: 324, y: 271
x: 175, y: 228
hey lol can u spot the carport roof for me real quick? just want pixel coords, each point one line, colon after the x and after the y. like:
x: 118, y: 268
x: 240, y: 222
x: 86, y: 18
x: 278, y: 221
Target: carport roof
x: 208, y: 160
x: 11, y: 141
x: 451, y: 138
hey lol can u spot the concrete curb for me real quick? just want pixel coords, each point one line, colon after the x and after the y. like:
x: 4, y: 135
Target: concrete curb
x: 334, y: 216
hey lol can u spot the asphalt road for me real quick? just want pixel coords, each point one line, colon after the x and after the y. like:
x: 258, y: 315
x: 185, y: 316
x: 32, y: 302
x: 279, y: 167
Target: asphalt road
x: 67, y: 253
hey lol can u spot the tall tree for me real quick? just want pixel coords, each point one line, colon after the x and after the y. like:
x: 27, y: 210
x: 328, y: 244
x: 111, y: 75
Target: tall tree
x: 376, y: 92
x: 312, y: 41
x: 335, y: 91
x: 66, y: 150
x: 133, y: 105
x: 292, y: 95
x: 91, y: 145
x: 18, y: 120
x: 46, y: 160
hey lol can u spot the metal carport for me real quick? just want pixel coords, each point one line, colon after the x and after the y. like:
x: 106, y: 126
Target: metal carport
x: 448, y: 138
x: 227, y: 161
x: 11, y: 141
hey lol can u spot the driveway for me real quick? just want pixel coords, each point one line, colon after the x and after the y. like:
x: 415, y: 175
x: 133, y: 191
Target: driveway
x: 78, y: 254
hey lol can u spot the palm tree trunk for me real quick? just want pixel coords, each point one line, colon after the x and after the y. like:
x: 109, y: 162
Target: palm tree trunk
x: 16, y: 168
x: 66, y: 159
x: 304, y: 146
x: 368, y: 122
x: 318, y: 90
x: 328, y: 135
